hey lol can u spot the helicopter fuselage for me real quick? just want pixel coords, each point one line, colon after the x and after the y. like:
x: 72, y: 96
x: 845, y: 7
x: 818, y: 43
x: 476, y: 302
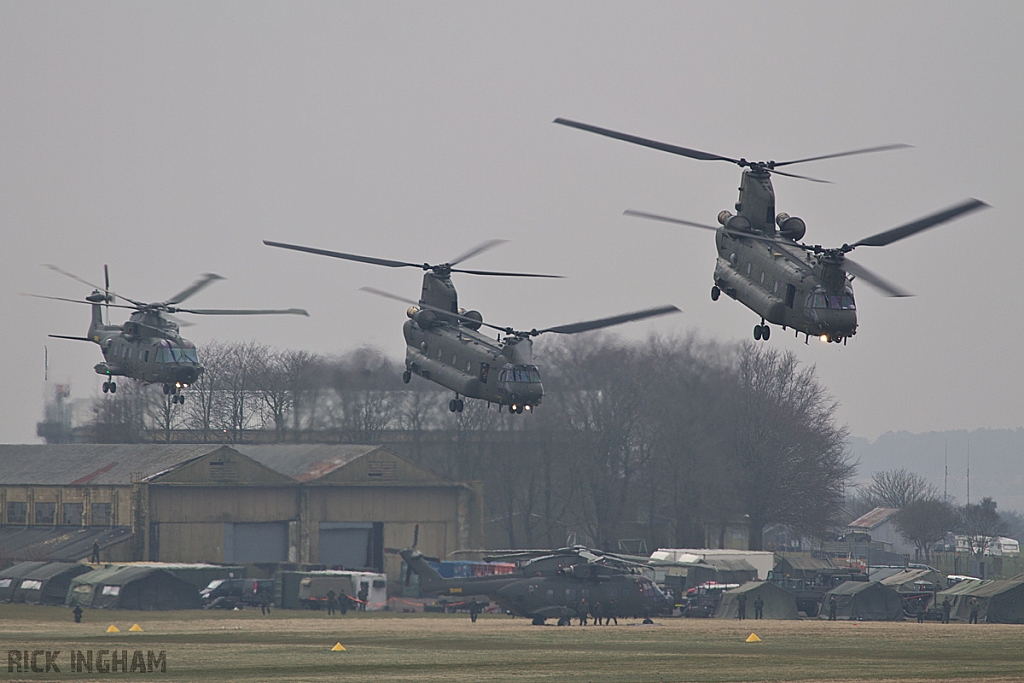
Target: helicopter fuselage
x: 570, y: 590
x: 785, y: 286
x: 473, y: 365
x: 147, y: 348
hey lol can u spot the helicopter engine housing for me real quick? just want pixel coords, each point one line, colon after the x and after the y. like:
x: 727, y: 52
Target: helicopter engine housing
x: 791, y: 227
x: 733, y: 222
x: 424, y: 318
x: 477, y: 318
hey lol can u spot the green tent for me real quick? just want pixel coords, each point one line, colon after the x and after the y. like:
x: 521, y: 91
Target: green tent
x: 778, y: 602
x: 914, y: 580
x: 999, y: 602
x: 128, y: 587
x: 10, y: 578
x: 864, y: 601
x: 48, y: 584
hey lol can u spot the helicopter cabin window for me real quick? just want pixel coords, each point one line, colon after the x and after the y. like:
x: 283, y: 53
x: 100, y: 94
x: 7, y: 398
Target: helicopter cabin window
x: 748, y: 269
x: 439, y: 352
x: 790, y: 295
x: 455, y: 362
x: 839, y: 302
x: 485, y: 369
x: 762, y: 277
x: 145, y: 356
x: 469, y: 366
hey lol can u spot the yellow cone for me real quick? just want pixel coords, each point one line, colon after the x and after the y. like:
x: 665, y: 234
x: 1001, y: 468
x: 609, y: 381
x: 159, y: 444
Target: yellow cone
x: 338, y: 648
x: 135, y: 628
x: 752, y: 638
x: 113, y: 629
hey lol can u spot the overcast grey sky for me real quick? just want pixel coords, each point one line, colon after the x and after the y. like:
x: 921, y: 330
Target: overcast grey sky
x: 169, y: 139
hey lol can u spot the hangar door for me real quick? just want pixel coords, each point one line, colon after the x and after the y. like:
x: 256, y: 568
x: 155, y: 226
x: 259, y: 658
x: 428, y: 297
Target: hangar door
x: 256, y: 542
x: 352, y: 545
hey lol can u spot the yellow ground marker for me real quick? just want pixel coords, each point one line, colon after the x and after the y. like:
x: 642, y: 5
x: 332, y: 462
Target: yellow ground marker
x: 135, y: 628
x: 752, y: 638
x: 113, y: 629
x: 338, y: 648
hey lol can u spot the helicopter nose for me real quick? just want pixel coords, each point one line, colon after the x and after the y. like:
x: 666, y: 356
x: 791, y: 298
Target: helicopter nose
x: 187, y: 374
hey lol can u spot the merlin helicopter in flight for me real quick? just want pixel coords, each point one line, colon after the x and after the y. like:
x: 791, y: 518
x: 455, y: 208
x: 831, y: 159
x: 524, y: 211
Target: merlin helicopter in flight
x: 148, y: 347
x: 444, y: 345
x: 553, y: 584
x: 763, y: 264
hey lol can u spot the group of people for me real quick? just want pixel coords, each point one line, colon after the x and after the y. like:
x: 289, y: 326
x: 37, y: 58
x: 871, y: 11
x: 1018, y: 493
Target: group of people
x: 343, y: 602
x: 741, y: 607
x: 598, y: 612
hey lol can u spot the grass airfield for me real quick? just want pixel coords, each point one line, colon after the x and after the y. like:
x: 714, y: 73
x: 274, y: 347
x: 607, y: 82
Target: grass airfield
x: 296, y: 646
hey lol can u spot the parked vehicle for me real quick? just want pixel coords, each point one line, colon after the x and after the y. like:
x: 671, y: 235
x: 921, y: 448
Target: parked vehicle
x: 231, y: 593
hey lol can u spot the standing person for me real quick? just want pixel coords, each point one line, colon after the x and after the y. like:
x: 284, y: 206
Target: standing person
x: 920, y: 610
x: 474, y: 610
x: 832, y: 608
x: 598, y: 611
x: 611, y: 613
x: 759, y: 607
x: 946, y: 607
x: 741, y: 606
x: 95, y: 557
x: 364, y: 594
x: 974, y: 611
x: 264, y: 603
x: 332, y: 602
x: 343, y: 603
x: 78, y: 613
x: 582, y: 610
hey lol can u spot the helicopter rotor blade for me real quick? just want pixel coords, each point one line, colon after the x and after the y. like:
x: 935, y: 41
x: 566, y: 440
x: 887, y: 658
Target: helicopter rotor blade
x: 866, y: 150
x: 462, y: 318
x: 349, y: 257
x: 801, y: 177
x: 889, y: 236
x: 653, y: 144
x: 478, y: 249
x: 667, y: 219
x: 873, y: 279
x: 178, y: 321
x: 204, y: 281
x: 241, y: 311
x: 70, y: 275
x: 576, y: 328
x: 503, y: 274
x: 73, y: 301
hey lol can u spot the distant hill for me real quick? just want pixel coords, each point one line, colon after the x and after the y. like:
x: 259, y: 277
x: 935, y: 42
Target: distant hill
x: 996, y: 459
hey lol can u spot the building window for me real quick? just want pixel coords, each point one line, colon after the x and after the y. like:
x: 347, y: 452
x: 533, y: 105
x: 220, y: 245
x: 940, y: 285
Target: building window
x: 73, y: 514
x: 99, y: 514
x: 46, y: 513
x: 17, y: 512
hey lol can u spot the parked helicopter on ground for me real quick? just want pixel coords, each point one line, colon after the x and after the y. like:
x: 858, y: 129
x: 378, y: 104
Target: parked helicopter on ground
x: 552, y: 584
x: 443, y: 344
x: 148, y: 347
x: 788, y: 283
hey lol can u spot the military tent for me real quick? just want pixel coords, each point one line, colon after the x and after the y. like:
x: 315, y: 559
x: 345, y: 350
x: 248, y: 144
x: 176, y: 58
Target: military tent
x: 999, y: 602
x: 10, y: 578
x: 778, y: 602
x: 864, y: 601
x: 129, y: 587
x: 48, y: 584
x: 913, y: 580
x: 800, y: 567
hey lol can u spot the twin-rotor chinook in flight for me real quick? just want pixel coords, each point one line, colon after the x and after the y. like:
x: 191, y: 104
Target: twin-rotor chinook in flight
x: 148, y: 348
x: 444, y: 345
x: 763, y: 265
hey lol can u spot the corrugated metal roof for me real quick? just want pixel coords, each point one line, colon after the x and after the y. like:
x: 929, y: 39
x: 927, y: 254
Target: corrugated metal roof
x: 105, y: 464
x: 62, y: 543
x: 872, y: 519
x: 305, y: 462
x: 91, y: 464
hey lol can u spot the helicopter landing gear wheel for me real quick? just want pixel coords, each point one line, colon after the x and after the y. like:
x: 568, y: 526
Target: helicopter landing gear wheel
x: 452, y: 406
x: 538, y: 621
x: 406, y: 376
x: 715, y: 293
x: 106, y: 387
x: 113, y: 388
x: 757, y: 333
x: 459, y: 405
x: 766, y: 332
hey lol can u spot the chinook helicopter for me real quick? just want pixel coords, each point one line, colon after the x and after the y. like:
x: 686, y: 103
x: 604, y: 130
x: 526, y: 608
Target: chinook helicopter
x: 148, y: 347
x: 551, y: 584
x: 444, y: 345
x: 761, y: 261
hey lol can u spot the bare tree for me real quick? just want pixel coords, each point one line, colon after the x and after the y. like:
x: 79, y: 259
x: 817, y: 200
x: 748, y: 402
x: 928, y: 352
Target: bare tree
x: 898, y: 489
x: 980, y: 523
x: 204, y: 407
x: 926, y: 521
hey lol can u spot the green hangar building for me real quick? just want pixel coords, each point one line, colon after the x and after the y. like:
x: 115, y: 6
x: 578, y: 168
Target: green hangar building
x: 333, y: 505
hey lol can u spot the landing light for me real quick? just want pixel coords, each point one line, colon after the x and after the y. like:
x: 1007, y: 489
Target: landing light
x: 528, y: 408
x: 824, y: 337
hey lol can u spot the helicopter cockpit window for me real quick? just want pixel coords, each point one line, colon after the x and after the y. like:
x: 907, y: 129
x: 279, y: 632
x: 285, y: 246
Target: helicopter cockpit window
x: 837, y: 302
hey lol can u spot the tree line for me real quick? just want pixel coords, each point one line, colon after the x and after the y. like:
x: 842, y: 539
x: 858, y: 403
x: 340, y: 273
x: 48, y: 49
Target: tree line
x: 676, y: 441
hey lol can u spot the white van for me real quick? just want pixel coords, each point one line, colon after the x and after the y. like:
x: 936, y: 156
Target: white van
x: 1003, y: 547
